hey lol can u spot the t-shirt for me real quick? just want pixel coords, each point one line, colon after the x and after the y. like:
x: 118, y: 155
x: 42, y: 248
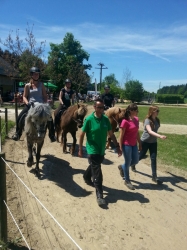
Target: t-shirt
x: 131, y: 130
x: 67, y: 95
x: 146, y: 136
x: 108, y: 99
x: 96, y: 130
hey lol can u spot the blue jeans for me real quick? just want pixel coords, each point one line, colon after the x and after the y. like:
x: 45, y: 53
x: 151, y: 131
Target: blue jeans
x: 131, y: 157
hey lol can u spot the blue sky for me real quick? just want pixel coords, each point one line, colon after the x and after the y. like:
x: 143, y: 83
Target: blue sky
x: 147, y: 37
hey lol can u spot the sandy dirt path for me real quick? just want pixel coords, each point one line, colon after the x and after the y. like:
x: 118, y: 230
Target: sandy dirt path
x: 151, y: 217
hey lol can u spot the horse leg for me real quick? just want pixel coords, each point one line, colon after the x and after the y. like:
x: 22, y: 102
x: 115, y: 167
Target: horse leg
x: 58, y: 129
x: 64, y: 141
x: 72, y: 150
x: 30, y: 158
x: 39, y: 147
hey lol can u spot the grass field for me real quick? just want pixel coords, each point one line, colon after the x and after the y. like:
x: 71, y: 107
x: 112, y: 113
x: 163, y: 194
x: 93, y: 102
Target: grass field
x: 167, y: 115
x: 173, y: 151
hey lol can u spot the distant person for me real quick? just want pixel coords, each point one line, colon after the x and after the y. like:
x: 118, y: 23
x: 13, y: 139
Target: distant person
x: 96, y: 127
x: 149, y: 140
x: 66, y: 98
x: 129, y: 136
x: 108, y: 98
x: 34, y: 91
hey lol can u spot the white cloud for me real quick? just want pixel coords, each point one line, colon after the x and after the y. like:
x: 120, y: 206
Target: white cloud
x: 162, y: 43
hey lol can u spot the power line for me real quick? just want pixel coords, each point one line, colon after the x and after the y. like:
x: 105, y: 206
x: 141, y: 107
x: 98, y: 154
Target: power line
x: 101, y: 68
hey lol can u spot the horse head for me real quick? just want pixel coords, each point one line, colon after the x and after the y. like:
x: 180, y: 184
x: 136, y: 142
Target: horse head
x: 36, y: 120
x: 115, y: 113
x: 80, y: 113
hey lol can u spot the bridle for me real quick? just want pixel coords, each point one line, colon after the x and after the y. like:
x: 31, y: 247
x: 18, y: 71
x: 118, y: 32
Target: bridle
x: 116, y: 121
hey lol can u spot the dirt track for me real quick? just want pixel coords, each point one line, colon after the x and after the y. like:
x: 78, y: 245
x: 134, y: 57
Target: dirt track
x: 151, y: 217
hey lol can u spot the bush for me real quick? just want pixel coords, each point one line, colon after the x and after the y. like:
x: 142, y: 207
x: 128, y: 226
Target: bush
x: 170, y: 99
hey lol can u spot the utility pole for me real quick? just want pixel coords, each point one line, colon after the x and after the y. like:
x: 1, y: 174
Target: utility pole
x: 101, y: 68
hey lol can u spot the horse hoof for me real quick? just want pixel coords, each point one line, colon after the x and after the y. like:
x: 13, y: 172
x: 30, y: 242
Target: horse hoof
x: 29, y: 164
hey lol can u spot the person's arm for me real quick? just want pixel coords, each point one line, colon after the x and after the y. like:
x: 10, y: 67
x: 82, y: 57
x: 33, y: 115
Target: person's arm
x: 151, y: 132
x: 60, y: 97
x: 139, y: 141
x: 113, y: 102
x: 81, y: 139
x: 121, y: 135
x: 44, y: 93
x: 113, y: 137
x: 73, y: 99
x: 26, y: 94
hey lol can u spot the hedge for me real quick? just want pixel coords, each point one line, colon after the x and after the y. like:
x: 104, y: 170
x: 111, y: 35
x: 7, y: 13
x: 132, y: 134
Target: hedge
x: 169, y: 98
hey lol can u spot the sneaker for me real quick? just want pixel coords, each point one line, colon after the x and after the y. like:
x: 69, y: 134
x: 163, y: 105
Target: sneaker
x: 88, y: 182
x: 129, y: 185
x: 15, y: 137
x: 53, y: 138
x: 133, y: 168
x: 101, y: 201
x: 121, y: 170
x: 157, y: 181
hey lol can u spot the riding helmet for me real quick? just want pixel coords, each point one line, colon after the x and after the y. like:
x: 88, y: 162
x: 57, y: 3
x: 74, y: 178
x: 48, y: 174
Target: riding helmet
x: 106, y: 87
x: 67, y: 81
x: 34, y: 70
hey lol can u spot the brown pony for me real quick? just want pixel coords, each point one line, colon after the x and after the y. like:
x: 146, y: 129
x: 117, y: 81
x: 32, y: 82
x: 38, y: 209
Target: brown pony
x: 70, y: 121
x: 115, y: 116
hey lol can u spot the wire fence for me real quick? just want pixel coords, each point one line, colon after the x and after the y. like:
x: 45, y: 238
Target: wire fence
x: 60, y: 226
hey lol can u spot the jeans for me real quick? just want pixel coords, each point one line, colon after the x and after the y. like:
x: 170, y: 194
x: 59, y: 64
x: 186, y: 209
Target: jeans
x: 94, y: 171
x: 131, y: 157
x: 153, y: 154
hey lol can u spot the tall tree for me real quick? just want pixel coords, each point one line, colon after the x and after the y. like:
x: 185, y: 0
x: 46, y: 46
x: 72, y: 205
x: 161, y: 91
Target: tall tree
x: 127, y: 76
x: 110, y: 79
x: 134, y: 91
x: 25, y: 53
x: 67, y: 60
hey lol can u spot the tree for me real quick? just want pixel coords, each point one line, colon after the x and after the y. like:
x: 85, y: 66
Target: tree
x: 23, y: 54
x: 110, y: 79
x: 126, y: 76
x: 67, y: 60
x: 134, y: 91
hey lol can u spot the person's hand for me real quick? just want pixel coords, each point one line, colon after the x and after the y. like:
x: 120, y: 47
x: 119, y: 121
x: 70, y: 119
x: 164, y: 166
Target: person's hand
x: 163, y: 137
x: 119, y: 151
x: 30, y: 104
x: 140, y: 147
x: 80, y: 153
x: 64, y: 106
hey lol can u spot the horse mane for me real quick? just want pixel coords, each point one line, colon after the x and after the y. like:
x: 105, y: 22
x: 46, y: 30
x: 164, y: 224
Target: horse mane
x: 40, y: 112
x: 115, y: 113
x: 73, y: 112
x: 112, y: 111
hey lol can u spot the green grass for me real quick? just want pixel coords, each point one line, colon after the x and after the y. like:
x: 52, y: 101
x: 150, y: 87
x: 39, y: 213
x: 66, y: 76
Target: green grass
x: 11, y: 124
x: 173, y: 151
x: 167, y: 115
